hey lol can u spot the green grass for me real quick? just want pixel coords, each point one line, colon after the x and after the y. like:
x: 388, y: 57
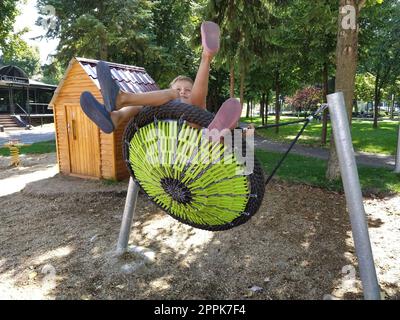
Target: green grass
x: 38, y: 147
x: 366, y: 139
x: 311, y: 171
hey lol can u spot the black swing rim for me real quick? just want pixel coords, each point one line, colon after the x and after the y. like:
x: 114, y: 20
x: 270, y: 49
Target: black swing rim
x: 176, y: 110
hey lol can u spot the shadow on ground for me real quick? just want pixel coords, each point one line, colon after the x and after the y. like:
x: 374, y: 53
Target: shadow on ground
x: 294, y: 248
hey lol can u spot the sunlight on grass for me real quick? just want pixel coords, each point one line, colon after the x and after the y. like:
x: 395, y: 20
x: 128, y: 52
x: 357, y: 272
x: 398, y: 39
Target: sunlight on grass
x: 34, y: 148
x: 365, y: 138
x: 307, y: 170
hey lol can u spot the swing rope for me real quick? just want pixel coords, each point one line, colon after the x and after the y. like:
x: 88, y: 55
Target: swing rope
x: 306, y: 122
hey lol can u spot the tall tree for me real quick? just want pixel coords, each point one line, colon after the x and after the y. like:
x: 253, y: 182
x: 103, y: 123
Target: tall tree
x: 244, y: 26
x: 346, y: 65
x: 393, y: 95
x: 13, y: 49
x: 8, y: 14
x: 260, y: 83
x: 316, y: 25
x: 109, y: 30
x: 174, y: 25
x: 152, y: 34
x: 365, y: 86
x: 20, y: 54
x: 380, y: 52
x: 224, y: 13
x: 52, y: 72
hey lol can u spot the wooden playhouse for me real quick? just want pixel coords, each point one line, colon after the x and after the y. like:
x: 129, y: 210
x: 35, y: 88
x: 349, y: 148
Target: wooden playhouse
x: 83, y: 150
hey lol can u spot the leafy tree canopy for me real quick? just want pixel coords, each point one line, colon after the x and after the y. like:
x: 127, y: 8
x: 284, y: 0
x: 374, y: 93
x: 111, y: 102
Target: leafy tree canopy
x: 8, y: 13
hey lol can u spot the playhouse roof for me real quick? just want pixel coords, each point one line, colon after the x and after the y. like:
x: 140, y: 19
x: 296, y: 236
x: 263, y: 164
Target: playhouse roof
x: 129, y: 78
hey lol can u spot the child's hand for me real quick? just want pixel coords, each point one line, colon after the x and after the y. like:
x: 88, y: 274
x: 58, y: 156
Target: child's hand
x: 174, y: 94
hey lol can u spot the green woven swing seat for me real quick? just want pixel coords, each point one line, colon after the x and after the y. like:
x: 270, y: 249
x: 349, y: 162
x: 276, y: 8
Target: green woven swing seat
x: 186, y: 175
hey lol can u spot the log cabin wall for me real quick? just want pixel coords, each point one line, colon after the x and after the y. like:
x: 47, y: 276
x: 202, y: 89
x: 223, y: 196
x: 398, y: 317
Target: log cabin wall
x: 82, y: 149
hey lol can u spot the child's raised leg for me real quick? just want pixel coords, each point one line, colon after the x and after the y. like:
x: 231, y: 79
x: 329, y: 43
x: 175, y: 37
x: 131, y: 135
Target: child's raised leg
x: 129, y: 104
x: 210, y: 34
x: 152, y: 98
x: 115, y: 99
x: 107, y: 121
x: 200, y: 86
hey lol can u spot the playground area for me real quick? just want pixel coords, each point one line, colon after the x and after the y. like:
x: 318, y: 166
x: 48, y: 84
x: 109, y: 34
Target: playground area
x: 199, y: 150
x: 59, y: 234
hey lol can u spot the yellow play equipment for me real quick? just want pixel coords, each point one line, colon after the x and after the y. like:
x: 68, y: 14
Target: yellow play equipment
x: 14, y: 145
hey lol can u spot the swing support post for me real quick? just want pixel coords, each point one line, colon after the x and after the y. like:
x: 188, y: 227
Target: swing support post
x: 127, y: 218
x: 352, y: 189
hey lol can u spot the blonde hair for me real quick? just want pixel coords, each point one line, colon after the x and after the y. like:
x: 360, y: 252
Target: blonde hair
x: 180, y: 78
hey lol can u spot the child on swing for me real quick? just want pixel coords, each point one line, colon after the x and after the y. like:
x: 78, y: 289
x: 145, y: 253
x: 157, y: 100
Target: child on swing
x: 120, y: 106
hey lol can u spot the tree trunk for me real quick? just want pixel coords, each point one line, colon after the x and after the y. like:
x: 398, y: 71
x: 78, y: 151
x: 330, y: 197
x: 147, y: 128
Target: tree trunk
x: 325, y: 113
x: 392, y: 109
x: 277, y: 102
x: 266, y: 107
x: 262, y: 108
x: 377, y: 101
x: 356, y: 105
x: 333, y: 170
x: 103, y: 50
x: 346, y: 65
x: 248, y: 109
x: 242, y: 75
x: 103, y: 54
x: 232, y: 80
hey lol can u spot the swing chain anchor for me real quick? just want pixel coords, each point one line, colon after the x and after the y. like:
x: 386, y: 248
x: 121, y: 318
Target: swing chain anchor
x: 321, y: 109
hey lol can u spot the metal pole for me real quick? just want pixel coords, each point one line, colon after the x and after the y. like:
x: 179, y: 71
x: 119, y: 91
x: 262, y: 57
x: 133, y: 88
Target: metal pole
x: 27, y: 105
x: 397, y: 167
x: 352, y: 189
x: 11, y: 97
x: 127, y: 218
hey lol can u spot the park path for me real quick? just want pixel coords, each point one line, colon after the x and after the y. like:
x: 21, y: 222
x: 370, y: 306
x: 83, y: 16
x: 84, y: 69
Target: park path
x: 37, y: 134
x: 362, y: 158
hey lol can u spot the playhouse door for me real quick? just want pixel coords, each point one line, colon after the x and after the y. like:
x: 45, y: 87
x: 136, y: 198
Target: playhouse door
x: 83, y: 141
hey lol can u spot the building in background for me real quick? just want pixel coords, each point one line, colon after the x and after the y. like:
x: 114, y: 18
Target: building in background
x: 23, y: 101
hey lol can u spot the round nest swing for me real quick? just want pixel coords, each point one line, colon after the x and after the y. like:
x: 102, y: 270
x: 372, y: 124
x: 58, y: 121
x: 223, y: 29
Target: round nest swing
x: 186, y: 175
